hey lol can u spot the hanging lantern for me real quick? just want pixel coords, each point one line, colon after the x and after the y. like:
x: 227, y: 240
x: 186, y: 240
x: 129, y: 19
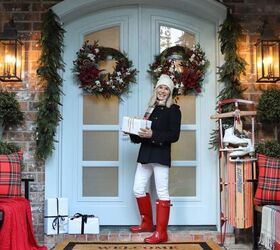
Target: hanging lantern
x: 267, y: 55
x: 10, y: 54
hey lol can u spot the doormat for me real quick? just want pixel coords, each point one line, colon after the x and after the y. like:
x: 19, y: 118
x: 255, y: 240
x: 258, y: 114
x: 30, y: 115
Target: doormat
x: 188, y: 245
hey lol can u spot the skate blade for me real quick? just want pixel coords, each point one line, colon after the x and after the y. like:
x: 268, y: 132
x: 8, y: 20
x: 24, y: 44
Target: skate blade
x: 238, y: 159
x: 232, y: 149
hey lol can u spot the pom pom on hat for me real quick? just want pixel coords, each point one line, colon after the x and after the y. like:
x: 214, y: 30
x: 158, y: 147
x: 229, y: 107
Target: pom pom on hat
x: 165, y: 80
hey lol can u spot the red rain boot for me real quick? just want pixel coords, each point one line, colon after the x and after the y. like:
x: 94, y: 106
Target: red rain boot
x: 160, y: 235
x: 145, y: 209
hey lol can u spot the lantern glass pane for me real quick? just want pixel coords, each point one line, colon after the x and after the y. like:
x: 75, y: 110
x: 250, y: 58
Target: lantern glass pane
x: 2, y: 51
x: 270, y: 59
x: 275, y: 68
x: 11, y: 61
x: 259, y: 60
x: 19, y: 60
x: 267, y: 59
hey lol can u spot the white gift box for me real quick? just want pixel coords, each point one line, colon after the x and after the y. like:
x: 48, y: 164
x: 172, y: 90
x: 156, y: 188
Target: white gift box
x: 56, y: 216
x: 83, y: 224
x: 132, y: 125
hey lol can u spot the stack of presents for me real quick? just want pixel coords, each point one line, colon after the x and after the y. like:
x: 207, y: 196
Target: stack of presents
x: 58, y: 221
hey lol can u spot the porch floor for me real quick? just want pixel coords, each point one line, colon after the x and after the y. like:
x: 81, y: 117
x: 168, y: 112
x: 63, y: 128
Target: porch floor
x: 175, y: 233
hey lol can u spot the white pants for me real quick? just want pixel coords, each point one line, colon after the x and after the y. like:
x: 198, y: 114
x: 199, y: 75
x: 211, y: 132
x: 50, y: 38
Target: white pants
x: 143, y: 175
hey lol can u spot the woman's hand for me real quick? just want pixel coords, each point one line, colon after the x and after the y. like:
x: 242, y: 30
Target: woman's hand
x: 145, y: 133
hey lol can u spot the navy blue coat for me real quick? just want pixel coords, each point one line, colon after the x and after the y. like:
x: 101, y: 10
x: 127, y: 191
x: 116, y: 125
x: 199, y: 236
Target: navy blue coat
x: 166, y: 123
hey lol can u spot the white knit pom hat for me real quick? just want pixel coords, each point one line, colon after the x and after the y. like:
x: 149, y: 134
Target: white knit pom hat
x: 165, y: 80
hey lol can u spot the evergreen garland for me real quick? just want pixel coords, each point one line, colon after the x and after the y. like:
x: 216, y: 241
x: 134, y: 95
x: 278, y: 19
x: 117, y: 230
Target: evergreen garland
x: 230, y: 71
x: 50, y: 63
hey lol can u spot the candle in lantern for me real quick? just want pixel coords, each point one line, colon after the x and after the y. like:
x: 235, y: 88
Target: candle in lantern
x: 267, y: 61
x: 9, y: 62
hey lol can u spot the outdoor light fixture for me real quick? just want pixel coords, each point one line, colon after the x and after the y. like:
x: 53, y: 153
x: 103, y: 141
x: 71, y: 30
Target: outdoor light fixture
x: 10, y: 54
x: 267, y: 55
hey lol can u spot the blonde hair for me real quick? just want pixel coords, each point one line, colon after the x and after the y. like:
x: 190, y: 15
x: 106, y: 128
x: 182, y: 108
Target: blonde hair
x: 153, y: 99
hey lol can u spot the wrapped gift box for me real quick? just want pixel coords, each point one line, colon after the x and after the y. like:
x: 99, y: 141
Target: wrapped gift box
x: 56, y: 216
x: 83, y: 224
x: 132, y: 125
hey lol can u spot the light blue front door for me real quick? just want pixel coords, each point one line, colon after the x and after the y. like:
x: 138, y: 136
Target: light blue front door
x: 97, y: 162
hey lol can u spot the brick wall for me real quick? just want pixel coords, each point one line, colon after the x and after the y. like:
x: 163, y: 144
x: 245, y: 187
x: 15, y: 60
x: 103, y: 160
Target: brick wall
x: 28, y: 14
x: 251, y: 14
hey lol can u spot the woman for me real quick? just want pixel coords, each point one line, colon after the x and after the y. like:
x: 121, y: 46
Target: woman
x: 155, y: 157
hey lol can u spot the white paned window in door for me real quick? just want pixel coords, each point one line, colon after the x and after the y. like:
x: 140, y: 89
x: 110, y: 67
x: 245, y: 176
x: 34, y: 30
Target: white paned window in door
x: 183, y: 171
x: 100, y: 130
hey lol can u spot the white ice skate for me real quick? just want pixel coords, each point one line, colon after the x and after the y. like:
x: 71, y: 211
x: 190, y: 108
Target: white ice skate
x: 249, y: 149
x: 231, y: 138
x: 238, y: 155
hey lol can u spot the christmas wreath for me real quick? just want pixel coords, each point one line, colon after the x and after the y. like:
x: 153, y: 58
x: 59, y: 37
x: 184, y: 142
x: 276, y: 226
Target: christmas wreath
x: 185, y: 66
x: 96, y: 81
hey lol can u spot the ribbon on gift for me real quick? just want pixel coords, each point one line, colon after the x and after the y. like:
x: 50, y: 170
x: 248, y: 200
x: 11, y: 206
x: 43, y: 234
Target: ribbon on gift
x: 57, y: 218
x: 84, y: 220
x: 130, y: 123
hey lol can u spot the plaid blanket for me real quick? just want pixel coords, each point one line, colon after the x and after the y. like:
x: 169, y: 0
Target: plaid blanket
x: 270, y: 228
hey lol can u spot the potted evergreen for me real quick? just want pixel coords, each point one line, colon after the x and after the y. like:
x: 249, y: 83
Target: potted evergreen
x: 268, y: 113
x: 10, y: 113
x: 268, y: 150
x: 268, y: 110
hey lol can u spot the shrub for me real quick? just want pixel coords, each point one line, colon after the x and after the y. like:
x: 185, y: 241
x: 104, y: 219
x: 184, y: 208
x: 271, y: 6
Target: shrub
x: 268, y: 108
x: 10, y: 113
x: 269, y: 148
x: 8, y: 148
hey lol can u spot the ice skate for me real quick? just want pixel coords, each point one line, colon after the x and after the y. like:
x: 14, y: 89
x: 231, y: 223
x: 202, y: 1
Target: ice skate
x: 241, y: 153
x: 249, y: 149
x: 238, y: 156
x: 231, y: 138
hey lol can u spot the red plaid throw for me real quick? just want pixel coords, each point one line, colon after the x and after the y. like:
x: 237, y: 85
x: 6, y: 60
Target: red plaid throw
x: 268, y: 189
x: 10, y: 175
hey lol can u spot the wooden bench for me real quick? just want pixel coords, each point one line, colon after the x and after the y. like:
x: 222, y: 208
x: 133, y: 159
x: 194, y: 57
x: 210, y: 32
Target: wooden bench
x: 26, y: 182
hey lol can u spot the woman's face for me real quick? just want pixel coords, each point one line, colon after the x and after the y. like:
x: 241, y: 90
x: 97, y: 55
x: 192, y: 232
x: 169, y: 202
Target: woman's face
x: 162, y: 92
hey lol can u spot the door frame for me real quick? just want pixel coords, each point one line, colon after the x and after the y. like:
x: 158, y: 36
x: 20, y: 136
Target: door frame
x: 70, y: 10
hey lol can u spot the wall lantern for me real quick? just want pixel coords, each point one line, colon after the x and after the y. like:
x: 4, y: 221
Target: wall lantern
x: 10, y: 54
x: 267, y: 55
